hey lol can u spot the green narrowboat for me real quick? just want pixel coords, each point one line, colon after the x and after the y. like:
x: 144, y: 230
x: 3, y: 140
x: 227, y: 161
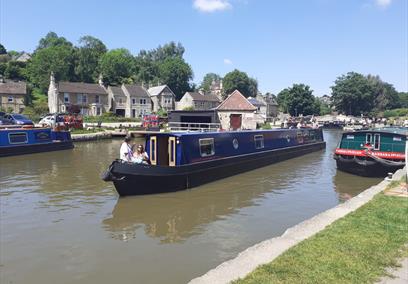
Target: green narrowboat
x: 374, y: 152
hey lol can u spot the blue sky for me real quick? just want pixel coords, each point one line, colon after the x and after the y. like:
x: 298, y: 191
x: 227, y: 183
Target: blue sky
x: 277, y: 42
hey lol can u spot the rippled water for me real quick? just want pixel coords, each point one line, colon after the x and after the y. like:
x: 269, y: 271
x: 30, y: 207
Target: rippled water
x: 59, y: 223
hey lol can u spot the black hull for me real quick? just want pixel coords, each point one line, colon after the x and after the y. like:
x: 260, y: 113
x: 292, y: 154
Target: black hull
x: 133, y: 179
x: 366, y: 169
x: 35, y: 148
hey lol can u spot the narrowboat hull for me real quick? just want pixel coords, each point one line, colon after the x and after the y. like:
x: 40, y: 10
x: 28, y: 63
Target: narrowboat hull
x: 365, y: 167
x: 35, y: 148
x: 135, y: 179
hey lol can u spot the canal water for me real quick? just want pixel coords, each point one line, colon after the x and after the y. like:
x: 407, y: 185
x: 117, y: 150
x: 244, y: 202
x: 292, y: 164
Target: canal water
x: 59, y: 223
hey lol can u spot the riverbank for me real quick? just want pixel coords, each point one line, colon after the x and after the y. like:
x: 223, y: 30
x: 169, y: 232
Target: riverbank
x: 312, y: 257
x: 91, y: 136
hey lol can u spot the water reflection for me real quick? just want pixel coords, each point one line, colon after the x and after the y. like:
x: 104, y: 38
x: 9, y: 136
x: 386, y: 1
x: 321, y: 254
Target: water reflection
x: 347, y: 185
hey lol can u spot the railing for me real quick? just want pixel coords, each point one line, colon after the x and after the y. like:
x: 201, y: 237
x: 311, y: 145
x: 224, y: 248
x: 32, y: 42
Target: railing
x: 193, y: 126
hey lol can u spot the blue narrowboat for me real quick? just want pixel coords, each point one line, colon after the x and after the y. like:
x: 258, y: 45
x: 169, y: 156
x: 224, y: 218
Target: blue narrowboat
x: 184, y: 160
x: 19, y: 141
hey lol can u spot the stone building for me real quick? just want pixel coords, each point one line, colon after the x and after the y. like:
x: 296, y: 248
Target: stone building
x: 162, y: 98
x: 12, y: 95
x: 198, y: 101
x: 271, y: 109
x: 216, y: 88
x: 91, y: 99
x: 237, y: 113
x: 129, y: 100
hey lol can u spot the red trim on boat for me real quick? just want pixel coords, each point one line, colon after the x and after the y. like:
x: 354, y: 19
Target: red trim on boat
x: 362, y: 153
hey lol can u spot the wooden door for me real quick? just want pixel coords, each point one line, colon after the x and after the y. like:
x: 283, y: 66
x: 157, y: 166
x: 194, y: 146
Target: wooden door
x: 235, y: 121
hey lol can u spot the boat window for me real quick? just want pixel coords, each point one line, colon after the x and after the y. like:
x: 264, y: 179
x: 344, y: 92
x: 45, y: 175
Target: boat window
x: 376, y: 141
x: 18, y: 138
x: 350, y: 136
x: 153, y: 143
x: 259, y: 141
x: 206, y: 147
x: 369, y: 138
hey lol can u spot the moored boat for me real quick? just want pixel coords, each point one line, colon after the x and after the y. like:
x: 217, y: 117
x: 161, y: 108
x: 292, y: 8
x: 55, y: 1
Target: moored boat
x: 185, y: 160
x: 373, y: 152
x: 20, y: 141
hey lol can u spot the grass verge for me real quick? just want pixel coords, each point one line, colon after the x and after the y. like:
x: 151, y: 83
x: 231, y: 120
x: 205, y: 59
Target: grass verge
x: 86, y: 131
x: 355, y: 249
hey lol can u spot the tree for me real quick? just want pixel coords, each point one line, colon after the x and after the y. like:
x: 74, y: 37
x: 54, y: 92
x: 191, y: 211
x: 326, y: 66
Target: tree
x: 88, y: 55
x: 51, y: 40
x: 386, y: 97
x: 176, y: 73
x: 58, y: 59
x: 208, y: 79
x: 116, y: 66
x: 15, y: 70
x: 403, y: 100
x: 353, y: 94
x: 146, y: 70
x: 237, y: 80
x: 298, y: 100
x: 169, y: 50
x: 2, y: 49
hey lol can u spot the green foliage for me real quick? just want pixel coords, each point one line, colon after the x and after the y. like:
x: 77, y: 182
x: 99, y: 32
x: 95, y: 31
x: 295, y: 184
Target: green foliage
x: 116, y: 65
x: 4, y: 58
x: 58, y: 59
x: 3, y: 67
x: 169, y: 50
x: 176, y: 73
x: 162, y: 112
x: 324, y: 109
x: 88, y: 55
x: 190, y: 108
x: 16, y: 70
x: 52, y: 40
x: 396, y: 112
x: 2, y: 49
x: 208, y: 79
x: 355, y: 249
x: 37, y: 105
x: 237, y: 80
x: 298, y: 100
x: 403, y: 99
x: 266, y: 125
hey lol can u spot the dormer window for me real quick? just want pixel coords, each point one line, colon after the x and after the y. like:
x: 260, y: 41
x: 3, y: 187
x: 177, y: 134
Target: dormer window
x: 66, y: 98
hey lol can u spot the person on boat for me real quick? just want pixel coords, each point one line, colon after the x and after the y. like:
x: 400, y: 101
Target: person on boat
x: 140, y: 156
x: 126, y: 152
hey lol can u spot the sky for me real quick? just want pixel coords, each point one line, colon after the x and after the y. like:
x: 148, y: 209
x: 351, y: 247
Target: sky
x: 277, y: 42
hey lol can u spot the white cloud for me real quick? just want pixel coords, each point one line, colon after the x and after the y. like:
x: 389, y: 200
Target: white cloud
x: 227, y: 61
x: 210, y: 6
x: 383, y: 3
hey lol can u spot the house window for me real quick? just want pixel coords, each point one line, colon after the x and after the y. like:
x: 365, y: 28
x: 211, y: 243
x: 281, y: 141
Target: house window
x: 259, y: 141
x: 97, y: 99
x: 10, y: 99
x: 98, y: 111
x: 133, y: 101
x: 206, y: 147
x: 120, y: 101
x: 142, y: 101
x: 133, y: 113
x: 84, y: 99
x: 66, y: 98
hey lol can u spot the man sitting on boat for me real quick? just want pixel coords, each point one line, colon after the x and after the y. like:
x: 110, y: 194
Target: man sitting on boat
x: 140, y: 156
x: 126, y: 152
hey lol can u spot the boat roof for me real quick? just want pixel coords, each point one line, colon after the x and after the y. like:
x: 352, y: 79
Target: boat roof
x: 193, y: 133
x: 394, y: 130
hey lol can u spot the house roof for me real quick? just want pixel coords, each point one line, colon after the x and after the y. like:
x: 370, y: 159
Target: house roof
x: 155, y: 91
x: 13, y: 88
x: 136, y: 91
x: 255, y: 102
x: 236, y: 101
x: 117, y: 91
x: 203, y: 98
x: 81, y: 88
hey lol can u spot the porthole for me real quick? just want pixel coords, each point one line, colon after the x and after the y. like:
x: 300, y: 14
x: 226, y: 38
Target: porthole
x: 235, y: 143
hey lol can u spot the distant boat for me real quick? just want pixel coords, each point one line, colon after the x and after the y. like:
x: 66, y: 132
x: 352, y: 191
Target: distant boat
x: 373, y: 152
x: 20, y: 141
x: 185, y: 160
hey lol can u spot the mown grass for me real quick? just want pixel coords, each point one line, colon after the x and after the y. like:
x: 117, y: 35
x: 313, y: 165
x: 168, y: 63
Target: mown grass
x: 355, y: 249
x: 85, y: 131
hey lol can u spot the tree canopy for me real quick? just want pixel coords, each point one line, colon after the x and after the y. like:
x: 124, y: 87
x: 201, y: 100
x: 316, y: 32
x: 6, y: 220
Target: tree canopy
x: 237, y: 80
x: 87, y: 58
x: 176, y: 73
x: 116, y: 66
x: 298, y: 99
x: 52, y: 39
x: 2, y: 49
x: 208, y: 79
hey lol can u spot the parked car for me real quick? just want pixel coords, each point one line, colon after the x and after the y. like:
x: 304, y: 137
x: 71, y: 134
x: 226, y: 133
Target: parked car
x: 48, y: 120
x: 5, y: 121
x: 18, y: 119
